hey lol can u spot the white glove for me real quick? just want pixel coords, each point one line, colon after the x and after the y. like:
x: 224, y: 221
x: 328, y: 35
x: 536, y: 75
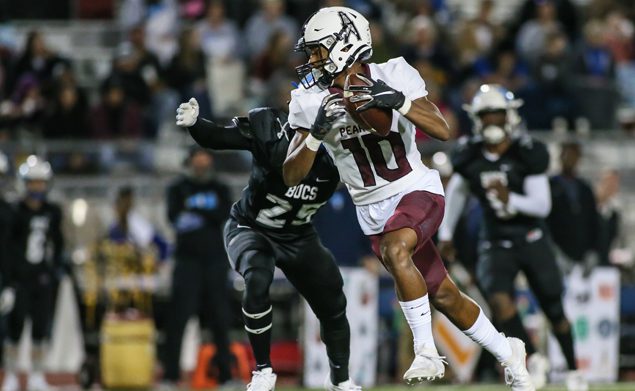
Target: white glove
x: 7, y: 300
x: 187, y: 113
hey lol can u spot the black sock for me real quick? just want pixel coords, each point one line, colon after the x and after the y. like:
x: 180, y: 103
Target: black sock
x: 513, y: 327
x: 258, y: 329
x: 336, y: 335
x: 565, y: 340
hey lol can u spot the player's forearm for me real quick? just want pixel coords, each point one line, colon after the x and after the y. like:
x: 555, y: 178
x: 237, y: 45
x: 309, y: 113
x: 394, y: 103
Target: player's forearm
x: 211, y: 135
x: 299, y: 160
x: 426, y: 116
x: 536, y: 201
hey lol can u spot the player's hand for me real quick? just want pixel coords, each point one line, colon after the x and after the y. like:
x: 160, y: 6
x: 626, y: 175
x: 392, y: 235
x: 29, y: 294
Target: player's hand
x: 447, y: 250
x: 500, y: 190
x: 331, y: 109
x: 377, y: 94
x: 187, y: 113
x: 7, y: 300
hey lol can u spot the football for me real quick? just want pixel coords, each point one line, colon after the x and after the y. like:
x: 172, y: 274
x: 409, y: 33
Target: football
x: 374, y: 119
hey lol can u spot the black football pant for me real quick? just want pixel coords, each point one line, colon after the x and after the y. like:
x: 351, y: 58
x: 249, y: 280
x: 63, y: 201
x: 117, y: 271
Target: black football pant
x: 198, y: 286
x: 34, y: 300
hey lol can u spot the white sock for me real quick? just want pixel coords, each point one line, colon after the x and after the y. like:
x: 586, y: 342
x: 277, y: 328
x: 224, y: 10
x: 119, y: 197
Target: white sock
x: 417, y: 313
x: 10, y: 357
x: 485, y: 334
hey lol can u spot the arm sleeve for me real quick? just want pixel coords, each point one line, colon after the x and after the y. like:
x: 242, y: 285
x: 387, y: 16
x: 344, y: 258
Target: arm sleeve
x: 210, y: 135
x: 536, y: 201
x: 456, y: 196
x: 297, y: 116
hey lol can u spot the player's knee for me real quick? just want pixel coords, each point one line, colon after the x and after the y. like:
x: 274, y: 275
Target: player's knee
x: 257, y: 283
x: 396, y: 255
x: 502, y: 306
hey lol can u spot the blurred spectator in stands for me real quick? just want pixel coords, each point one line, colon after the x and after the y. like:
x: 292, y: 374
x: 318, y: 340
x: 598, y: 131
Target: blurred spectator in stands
x: 131, y: 227
x: 620, y: 40
x: 116, y: 116
x: 131, y: 13
x: 186, y: 73
x: 67, y: 115
x: 37, y: 61
x: 383, y: 47
x: 477, y: 37
x: 264, y: 23
x: 531, y: 38
x: 505, y: 68
x: 426, y: 53
x: 610, y: 209
x: 161, y: 30
x: 553, y: 75
x: 276, y: 56
x: 565, y: 12
x: 595, y: 78
x: 27, y: 104
x: 220, y: 37
x: 573, y: 220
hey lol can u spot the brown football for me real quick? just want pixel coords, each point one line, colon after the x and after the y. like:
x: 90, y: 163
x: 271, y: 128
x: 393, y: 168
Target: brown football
x: 373, y: 119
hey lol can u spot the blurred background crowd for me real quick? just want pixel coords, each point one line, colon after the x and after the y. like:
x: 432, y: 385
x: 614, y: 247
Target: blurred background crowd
x: 92, y: 86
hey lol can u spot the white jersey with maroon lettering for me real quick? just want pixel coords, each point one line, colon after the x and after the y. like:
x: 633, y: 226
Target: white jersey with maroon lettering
x: 374, y: 168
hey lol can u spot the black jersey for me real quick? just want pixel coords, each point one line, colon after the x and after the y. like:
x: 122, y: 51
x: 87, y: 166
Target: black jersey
x: 37, y: 239
x: 525, y: 157
x: 267, y: 202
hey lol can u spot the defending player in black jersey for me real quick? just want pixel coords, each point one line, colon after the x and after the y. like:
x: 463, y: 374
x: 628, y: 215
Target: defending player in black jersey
x: 271, y: 226
x: 37, y: 260
x: 507, y: 173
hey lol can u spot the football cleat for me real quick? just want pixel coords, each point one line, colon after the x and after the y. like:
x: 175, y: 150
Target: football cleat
x: 576, y: 381
x: 427, y: 365
x: 262, y: 380
x: 538, y: 367
x: 37, y: 382
x: 10, y: 382
x: 516, y: 374
x: 347, y: 385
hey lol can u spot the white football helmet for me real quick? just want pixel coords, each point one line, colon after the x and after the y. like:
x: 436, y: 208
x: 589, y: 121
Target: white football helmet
x: 344, y: 33
x: 35, y: 168
x: 489, y: 98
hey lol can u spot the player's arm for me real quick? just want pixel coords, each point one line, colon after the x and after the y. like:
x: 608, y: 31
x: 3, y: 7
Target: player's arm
x: 305, y: 144
x: 211, y: 135
x: 536, y: 200
x: 57, y: 238
x: 300, y: 157
x: 426, y: 116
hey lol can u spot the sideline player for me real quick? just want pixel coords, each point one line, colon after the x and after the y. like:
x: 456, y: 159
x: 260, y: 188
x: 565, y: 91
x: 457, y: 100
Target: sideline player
x: 271, y: 226
x: 399, y: 200
x: 38, y: 240
x: 506, y: 170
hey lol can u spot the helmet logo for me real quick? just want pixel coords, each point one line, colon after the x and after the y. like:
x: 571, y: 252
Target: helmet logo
x: 348, y: 28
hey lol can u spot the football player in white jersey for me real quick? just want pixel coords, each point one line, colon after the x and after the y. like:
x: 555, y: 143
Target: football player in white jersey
x: 399, y: 200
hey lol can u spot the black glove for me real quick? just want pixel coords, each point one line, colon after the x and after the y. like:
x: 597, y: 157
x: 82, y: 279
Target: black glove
x: 378, y: 94
x: 330, y: 110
